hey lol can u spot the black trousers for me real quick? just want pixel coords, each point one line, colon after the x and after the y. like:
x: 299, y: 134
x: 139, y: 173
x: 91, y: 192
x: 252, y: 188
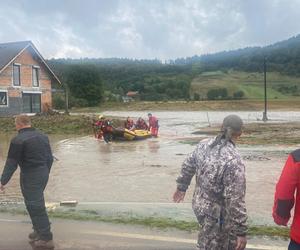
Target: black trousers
x: 294, y: 245
x: 33, y: 184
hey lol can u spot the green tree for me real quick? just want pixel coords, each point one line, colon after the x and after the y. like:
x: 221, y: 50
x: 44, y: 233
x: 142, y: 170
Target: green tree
x: 85, y: 83
x: 220, y: 93
x: 196, y: 97
x: 58, y: 101
x: 238, y: 94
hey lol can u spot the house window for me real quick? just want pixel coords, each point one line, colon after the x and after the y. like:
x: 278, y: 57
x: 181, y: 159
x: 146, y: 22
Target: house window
x: 16, y: 75
x: 35, y: 76
x: 3, y: 98
x: 31, y: 103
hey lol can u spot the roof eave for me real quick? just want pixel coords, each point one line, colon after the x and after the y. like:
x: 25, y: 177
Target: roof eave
x: 43, y: 60
x: 21, y: 51
x: 30, y: 44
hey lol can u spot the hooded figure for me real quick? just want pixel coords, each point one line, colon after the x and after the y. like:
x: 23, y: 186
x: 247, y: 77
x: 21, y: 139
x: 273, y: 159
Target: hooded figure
x: 219, y: 196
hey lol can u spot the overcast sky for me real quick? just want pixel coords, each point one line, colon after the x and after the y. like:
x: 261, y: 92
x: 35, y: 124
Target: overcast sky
x: 163, y: 29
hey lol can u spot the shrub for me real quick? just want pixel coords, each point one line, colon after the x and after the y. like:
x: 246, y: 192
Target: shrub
x: 238, y: 94
x: 196, y: 97
x: 78, y: 102
x: 58, y: 102
x: 220, y: 93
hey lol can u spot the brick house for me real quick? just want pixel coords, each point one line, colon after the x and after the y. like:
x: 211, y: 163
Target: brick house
x: 25, y: 79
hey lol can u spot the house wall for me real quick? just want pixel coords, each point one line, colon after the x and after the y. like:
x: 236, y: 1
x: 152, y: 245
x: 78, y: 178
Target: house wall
x: 27, y: 59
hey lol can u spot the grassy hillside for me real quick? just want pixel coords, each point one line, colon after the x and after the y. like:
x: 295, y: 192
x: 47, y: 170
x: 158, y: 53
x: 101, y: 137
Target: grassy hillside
x: 252, y: 84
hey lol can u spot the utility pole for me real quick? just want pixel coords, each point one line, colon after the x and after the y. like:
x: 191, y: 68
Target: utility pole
x: 265, y: 118
x: 66, y: 90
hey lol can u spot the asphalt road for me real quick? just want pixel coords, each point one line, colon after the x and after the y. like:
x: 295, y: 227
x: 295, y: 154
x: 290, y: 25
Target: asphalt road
x: 77, y: 235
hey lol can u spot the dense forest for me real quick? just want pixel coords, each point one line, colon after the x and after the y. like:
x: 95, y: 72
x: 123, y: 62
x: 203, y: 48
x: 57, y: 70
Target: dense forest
x: 283, y: 57
x: 91, y: 81
x: 115, y: 77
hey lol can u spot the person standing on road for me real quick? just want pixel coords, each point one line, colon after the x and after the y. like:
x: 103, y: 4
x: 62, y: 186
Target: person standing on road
x: 288, y: 184
x: 219, y: 196
x: 31, y: 150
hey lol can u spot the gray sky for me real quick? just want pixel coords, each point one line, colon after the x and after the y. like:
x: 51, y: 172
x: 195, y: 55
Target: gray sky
x: 163, y: 29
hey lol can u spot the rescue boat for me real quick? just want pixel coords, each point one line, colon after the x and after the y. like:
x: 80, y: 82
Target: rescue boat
x: 128, y: 135
x: 136, y: 134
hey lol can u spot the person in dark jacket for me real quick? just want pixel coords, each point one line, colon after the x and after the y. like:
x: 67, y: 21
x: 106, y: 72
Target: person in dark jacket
x: 287, y: 195
x: 31, y: 150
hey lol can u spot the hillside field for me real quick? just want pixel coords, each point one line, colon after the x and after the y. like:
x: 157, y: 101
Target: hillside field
x: 252, y: 84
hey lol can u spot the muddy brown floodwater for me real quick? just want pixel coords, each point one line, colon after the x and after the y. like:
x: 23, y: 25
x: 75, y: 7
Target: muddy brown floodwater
x: 90, y: 170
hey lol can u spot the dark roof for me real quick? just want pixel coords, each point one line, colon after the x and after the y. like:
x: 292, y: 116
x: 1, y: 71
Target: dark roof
x: 9, y: 51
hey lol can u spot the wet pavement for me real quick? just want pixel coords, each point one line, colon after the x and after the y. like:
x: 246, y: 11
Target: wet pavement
x: 78, y: 235
x: 89, y: 170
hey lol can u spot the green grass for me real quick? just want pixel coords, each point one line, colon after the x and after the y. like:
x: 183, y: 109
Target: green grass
x: 269, y: 231
x: 212, y: 73
x: 256, y: 91
x: 153, y: 222
x: 53, y: 124
x: 250, y: 83
x: 57, y: 124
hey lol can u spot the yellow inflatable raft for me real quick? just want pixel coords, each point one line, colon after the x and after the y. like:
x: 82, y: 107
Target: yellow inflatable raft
x: 136, y: 134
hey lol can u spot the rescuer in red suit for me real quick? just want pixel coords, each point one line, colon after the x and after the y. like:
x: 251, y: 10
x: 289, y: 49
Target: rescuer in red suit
x: 153, y: 125
x: 287, y: 186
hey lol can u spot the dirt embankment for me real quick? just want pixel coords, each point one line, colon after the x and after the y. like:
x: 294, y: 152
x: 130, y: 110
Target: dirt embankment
x: 220, y: 105
x: 57, y: 124
x: 264, y: 133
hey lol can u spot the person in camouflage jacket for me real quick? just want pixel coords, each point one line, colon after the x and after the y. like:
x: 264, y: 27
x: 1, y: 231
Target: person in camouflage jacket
x: 219, y: 196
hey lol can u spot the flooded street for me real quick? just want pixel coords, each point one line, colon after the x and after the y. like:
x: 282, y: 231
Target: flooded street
x: 90, y: 170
